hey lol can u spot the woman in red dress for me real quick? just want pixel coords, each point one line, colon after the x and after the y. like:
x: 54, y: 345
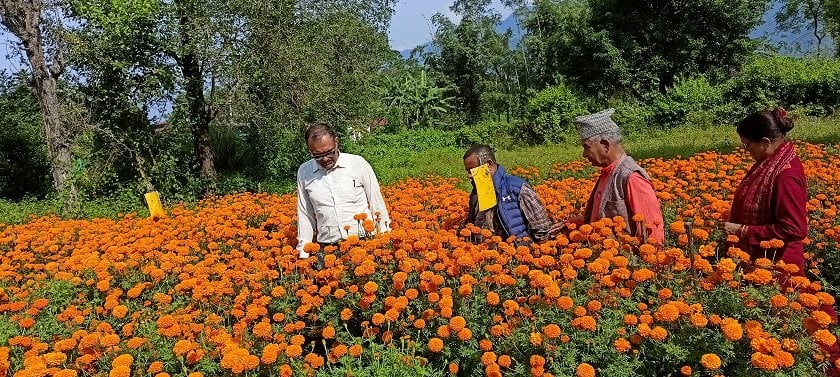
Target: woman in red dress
x: 770, y: 202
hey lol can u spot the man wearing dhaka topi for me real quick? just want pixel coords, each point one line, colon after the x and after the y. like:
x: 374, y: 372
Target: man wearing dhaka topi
x: 333, y: 189
x: 623, y: 187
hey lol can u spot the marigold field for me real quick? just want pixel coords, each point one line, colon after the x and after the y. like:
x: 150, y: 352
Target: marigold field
x: 217, y: 290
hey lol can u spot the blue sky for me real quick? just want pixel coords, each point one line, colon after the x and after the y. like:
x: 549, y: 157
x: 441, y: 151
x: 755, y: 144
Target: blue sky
x: 411, y: 24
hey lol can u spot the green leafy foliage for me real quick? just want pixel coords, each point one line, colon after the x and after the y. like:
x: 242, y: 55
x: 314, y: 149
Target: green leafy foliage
x: 692, y: 101
x: 552, y: 112
x: 809, y: 83
x: 24, y: 166
x: 416, y: 100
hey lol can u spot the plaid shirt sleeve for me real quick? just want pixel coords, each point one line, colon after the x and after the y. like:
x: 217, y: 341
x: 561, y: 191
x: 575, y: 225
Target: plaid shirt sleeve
x: 535, y: 213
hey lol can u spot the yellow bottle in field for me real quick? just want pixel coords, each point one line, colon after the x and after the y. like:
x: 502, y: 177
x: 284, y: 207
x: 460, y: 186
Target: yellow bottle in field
x: 153, y: 201
x: 484, y: 187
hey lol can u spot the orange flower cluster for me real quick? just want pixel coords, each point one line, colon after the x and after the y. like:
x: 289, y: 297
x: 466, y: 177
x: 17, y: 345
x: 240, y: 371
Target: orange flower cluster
x: 218, y: 289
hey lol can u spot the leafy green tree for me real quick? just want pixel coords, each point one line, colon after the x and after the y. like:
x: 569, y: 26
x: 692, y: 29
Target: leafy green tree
x: 832, y: 22
x: 26, y: 20
x: 321, y: 64
x: 118, y: 53
x: 24, y: 166
x: 471, y: 55
x: 796, y: 15
x: 416, y: 100
x: 638, y: 46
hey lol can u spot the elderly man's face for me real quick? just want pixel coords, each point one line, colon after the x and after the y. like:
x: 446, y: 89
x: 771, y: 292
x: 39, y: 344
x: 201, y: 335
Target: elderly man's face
x: 324, y: 150
x: 596, y: 151
x: 471, y: 162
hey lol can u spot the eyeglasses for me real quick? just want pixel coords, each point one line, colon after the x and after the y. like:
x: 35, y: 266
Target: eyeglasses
x: 321, y: 156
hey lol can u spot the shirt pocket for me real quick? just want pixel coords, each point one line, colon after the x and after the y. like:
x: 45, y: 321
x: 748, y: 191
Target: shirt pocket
x: 351, y: 190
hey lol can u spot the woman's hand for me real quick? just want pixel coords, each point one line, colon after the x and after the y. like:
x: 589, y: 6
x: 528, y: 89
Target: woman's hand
x: 731, y: 228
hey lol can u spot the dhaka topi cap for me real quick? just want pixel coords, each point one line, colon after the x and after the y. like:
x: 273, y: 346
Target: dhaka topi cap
x: 596, y: 124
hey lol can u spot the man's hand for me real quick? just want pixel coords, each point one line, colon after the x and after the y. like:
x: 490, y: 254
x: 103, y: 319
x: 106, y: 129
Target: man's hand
x: 556, y: 229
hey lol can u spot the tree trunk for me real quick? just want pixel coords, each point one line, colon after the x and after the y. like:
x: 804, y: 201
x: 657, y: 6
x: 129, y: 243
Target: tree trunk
x: 199, y: 113
x: 23, y: 19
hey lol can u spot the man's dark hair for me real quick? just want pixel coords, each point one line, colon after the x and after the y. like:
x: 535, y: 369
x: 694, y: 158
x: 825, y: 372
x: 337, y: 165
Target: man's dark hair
x: 484, y: 152
x: 316, y: 131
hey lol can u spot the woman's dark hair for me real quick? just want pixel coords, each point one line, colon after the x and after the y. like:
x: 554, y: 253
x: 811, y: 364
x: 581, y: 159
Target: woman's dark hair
x: 771, y: 124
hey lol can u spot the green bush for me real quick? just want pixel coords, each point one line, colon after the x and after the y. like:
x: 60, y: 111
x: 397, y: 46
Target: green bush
x: 694, y: 101
x: 24, y: 165
x: 765, y: 82
x: 631, y: 115
x: 379, y: 145
x: 499, y: 134
x: 551, y: 113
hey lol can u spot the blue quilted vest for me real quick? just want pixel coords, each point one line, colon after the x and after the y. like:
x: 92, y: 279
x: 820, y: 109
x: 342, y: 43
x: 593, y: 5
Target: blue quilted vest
x: 507, y: 195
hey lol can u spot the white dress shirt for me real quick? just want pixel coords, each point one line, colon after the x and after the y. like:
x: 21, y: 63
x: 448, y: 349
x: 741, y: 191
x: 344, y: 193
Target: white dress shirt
x: 328, y: 200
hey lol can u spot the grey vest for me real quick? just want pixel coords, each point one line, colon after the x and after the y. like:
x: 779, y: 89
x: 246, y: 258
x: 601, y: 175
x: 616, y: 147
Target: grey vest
x: 613, y: 202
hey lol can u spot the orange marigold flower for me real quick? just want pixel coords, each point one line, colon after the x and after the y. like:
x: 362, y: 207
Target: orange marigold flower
x: 492, y: 298
x: 622, y: 345
x: 537, y: 361
x: 109, y: 340
x: 435, y: 345
x: 123, y: 360
x: 565, y: 302
x: 297, y: 339
x: 263, y: 330
x: 315, y: 361
x: 65, y: 345
x: 488, y: 358
x: 784, y: 359
x: 155, y: 367
x: 328, y: 332
x: 457, y: 323
x: 370, y: 287
x: 764, y: 362
x: 552, y: 331
x: 119, y: 311
x: 585, y: 370
x: 453, y: 368
x: 779, y: 301
x: 294, y: 351
x: 465, y: 334
x: 135, y: 343
x: 658, y: 333
x: 53, y: 358
x: 120, y: 371
x: 535, y: 339
x: 731, y: 329
x: 504, y: 361
x: 825, y: 337
x: 710, y: 361
x: 585, y: 323
x: 667, y: 313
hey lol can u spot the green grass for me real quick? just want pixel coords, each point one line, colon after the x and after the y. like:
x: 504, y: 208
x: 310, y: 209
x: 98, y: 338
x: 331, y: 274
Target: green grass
x: 396, y: 165
x: 684, y: 141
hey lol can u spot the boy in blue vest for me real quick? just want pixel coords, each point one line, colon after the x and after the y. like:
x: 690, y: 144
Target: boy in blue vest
x: 518, y: 211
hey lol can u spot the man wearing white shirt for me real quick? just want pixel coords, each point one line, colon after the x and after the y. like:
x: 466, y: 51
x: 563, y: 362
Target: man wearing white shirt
x: 333, y: 187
